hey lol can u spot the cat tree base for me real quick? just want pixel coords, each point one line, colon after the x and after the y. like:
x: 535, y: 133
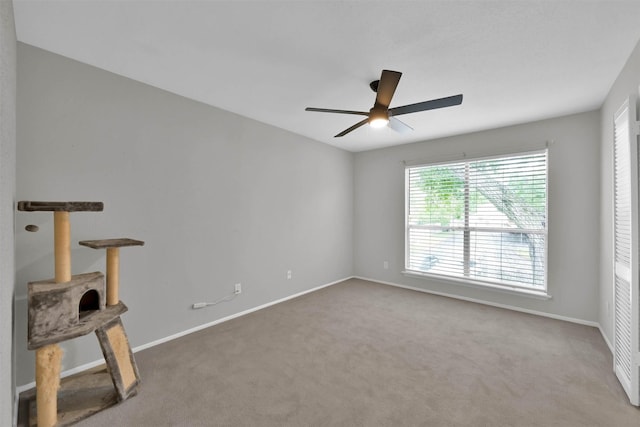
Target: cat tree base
x: 79, y: 397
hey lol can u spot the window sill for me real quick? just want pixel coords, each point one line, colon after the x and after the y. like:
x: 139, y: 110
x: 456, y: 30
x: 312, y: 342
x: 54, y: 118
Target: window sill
x: 530, y: 293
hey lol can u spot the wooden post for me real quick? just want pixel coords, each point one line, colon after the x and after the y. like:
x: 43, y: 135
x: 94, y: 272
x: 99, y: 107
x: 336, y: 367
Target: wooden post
x: 62, y: 245
x: 48, y: 358
x: 48, y: 361
x: 113, y: 275
x: 113, y: 262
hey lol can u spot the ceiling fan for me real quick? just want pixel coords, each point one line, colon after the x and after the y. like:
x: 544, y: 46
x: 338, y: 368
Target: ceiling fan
x: 381, y: 115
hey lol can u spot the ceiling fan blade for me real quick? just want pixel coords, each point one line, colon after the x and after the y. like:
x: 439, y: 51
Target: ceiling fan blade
x: 399, y: 126
x: 354, y: 127
x: 329, y: 110
x: 387, y: 86
x: 427, y: 105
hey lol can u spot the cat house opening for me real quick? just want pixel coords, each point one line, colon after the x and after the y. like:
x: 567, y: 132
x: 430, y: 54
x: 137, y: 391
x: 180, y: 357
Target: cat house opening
x: 89, y: 302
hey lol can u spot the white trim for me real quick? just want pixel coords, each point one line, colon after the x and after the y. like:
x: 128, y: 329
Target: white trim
x: 463, y: 157
x: 90, y: 365
x: 16, y: 401
x: 481, y: 284
x: 68, y: 372
x: 233, y: 316
x: 493, y: 304
x: 606, y: 340
x: 481, y: 229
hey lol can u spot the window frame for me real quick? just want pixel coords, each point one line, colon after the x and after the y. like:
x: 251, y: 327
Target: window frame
x: 504, y: 286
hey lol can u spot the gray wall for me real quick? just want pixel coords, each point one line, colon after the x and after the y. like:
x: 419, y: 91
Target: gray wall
x: 7, y: 198
x: 626, y: 84
x: 217, y: 198
x: 573, y: 211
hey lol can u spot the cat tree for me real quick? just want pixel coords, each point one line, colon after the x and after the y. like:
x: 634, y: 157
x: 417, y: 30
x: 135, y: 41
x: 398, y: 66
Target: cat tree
x: 69, y: 306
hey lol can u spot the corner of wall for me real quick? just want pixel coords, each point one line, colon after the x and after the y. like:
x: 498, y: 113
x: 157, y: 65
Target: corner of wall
x: 8, y: 47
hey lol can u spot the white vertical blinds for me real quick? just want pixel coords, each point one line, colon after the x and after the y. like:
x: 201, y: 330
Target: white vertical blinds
x: 625, y: 216
x: 482, y: 220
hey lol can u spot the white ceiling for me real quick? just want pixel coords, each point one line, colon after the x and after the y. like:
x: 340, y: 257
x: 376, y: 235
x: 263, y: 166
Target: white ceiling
x: 514, y: 61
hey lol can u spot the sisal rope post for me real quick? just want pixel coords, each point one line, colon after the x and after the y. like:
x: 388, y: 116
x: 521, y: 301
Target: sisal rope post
x: 62, y: 246
x: 49, y: 358
x: 48, y: 362
x: 113, y: 275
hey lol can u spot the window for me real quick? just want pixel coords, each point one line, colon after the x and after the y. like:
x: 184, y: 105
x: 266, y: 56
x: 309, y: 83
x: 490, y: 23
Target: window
x: 482, y: 221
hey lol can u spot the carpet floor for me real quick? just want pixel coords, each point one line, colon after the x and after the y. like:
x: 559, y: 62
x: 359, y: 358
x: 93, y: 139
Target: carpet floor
x: 364, y: 354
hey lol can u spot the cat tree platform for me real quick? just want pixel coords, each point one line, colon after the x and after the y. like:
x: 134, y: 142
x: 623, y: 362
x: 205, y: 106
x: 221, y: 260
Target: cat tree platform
x: 111, y: 243
x: 62, y: 311
x: 32, y: 206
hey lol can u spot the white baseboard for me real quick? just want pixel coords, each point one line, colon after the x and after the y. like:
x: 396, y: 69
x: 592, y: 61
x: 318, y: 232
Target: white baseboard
x: 99, y: 362
x: 233, y: 316
x: 493, y: 304
x: 68, y: 372
x: 15, y: 409
x: 606, y: 340
x: 90, y: 365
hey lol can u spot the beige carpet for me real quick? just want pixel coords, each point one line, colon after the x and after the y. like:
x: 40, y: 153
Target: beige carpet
x: 364, y: 354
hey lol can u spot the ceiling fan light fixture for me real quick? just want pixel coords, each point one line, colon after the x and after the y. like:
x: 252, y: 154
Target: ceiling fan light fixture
x: 378, y: 123
x: 378, y: 119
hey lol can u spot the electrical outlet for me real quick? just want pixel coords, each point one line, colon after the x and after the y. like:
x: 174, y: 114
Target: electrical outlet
x: 385, y: 265
x: 288, y: 274
x: 238, y: 288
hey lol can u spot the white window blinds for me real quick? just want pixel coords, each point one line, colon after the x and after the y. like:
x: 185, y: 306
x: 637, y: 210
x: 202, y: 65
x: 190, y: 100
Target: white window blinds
x: 625, y: 268
x: 482, y: 220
